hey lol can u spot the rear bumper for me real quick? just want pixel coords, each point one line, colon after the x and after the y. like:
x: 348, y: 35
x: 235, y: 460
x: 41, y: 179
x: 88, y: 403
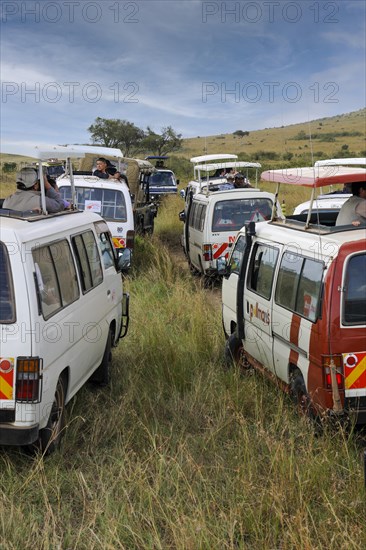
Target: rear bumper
x: 18, y: 435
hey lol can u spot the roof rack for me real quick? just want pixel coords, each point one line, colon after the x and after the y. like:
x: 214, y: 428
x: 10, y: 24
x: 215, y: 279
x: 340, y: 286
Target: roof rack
x: 44, y: 151
x: 326, y: 172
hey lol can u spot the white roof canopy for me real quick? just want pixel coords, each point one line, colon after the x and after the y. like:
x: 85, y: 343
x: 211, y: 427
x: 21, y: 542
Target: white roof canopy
x: 95, y: 149
x: 208, y: 158
x: 341, y: 162
x: 234, y: 164
x: 44, y: 151
x: 39, y: 151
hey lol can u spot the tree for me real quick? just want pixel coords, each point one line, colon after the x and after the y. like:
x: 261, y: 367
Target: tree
x: 161, y: 144
x: 117, y: 133
x: 9, y: 167
x: 240, y: 133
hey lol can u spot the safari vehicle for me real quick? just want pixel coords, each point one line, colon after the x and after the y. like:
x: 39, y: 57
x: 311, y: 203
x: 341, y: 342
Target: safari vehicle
x: 163, y: 181
x: 294, y: 301
x: 205, y: 171
x: 145, y: 209
x: 108, y: 197
x: 62, y: 309
x: 333, y: 200
x: 215, y: 214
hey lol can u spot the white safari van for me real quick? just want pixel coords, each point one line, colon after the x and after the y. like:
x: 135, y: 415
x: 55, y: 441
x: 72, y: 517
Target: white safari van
x: 108, y: 197
x: 62, y: 309
x: 215, y: 211
x: 213, y: 219
x: 294, y: 301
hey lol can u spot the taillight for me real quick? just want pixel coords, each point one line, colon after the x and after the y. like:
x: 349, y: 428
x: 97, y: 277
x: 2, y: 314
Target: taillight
x: 28, y: 379
x: 207, y: 252
x: 130, y: 239
x: 334, y: 361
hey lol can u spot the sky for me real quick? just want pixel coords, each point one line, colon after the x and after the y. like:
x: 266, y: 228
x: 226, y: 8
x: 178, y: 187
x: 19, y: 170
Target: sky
x: 202, y: 67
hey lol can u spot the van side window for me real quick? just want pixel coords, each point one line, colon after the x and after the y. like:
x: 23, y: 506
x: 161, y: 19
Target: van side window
x: 7, y: 302
x: 261, y: 272
x: 354, y: 299
x: 192, y: 214
x: 56, y: 277
x: 88, y: 258
x: 197, y: 216
x: 201, y: 217
x: 237, y: 256
x: 299, y: 284
x: 107, y: 250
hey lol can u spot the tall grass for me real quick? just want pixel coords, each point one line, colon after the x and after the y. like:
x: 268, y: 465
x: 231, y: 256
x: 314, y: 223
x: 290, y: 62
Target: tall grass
x: 178, y: 453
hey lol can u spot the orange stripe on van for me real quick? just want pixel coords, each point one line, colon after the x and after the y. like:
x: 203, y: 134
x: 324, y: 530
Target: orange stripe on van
x: 355, y: 370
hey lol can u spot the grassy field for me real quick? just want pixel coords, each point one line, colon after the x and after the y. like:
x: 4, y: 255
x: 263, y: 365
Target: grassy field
x: 179, y: 453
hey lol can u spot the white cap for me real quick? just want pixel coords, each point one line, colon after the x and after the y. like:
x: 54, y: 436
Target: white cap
x: 28, y: 176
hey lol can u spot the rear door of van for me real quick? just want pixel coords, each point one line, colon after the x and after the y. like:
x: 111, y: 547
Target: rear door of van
x: 196, y: 234
x: 15, y: 323
x: 348, y: 322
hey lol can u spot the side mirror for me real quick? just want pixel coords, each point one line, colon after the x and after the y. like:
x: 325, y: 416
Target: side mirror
x: 182, y: 193
x: 182, y: 216
x: 223, y: 268
x: 124, y: 260
x: 178, y: 182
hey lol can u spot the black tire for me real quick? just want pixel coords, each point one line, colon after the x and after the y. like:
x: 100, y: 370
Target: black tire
x: 102, y: 376
x: 300, y: 396
x: 233, y: 355
x: 50, y: 436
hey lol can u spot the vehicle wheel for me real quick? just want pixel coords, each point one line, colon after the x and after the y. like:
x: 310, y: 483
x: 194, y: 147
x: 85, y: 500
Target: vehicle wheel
x: 102, y: 375
x: 233, y: 354
x: 300, y: 396
x: 150, y: 229
x: 50, y: 436
x: 192, y: 269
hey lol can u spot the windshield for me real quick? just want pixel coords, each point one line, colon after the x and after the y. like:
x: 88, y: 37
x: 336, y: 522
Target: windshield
x: 110, y: 204
x: 231, y: 215
x: 162, y: 179
x: 7, y: 303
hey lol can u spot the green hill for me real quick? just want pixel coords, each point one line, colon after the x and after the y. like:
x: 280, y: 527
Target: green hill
x: 339, y: 136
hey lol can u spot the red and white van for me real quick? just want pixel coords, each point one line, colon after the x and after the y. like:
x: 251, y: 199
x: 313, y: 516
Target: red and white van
x: 294, y: 301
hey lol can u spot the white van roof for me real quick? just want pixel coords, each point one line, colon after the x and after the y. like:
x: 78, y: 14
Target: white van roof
x: 341, y: 162
x: 217, y: 156
x: 235, y: 164
x: 40, y: 151
x: 315, y: 176
x: 95, y: 149
x: 44, y: 151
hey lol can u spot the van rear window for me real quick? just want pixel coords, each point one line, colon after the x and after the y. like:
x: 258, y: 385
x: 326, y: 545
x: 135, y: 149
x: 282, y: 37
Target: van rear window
x: 354, y: 304
x: 231, y: 215
x: 110, y: 204
x: 7, y: 303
